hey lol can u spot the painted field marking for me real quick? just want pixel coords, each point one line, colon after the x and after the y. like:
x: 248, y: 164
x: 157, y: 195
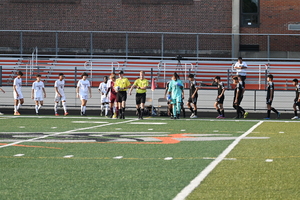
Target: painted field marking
x: 89, y: 122
x: 19, y: 155
x: 118, y: 157
x: 69, y: 156
x: 66, y: 132
x: 203, y: 174
x: 168, y: 158
x: 148, y: 123
x: 269, y: 160
x: 22, y: 127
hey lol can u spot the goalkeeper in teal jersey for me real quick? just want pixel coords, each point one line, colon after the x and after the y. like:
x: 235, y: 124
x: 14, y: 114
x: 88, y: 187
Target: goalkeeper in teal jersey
x: 176, y: 94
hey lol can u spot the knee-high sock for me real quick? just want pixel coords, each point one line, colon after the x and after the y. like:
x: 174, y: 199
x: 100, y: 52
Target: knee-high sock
x: 55, y: 107
x: 36, y: 108
x: 106, y: 109
x: 64, y: 106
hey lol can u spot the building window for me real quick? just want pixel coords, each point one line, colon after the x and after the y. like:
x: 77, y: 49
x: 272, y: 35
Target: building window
x: 249, y: 13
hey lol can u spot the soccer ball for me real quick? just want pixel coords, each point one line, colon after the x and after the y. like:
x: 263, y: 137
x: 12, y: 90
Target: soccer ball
x: 117, y: 88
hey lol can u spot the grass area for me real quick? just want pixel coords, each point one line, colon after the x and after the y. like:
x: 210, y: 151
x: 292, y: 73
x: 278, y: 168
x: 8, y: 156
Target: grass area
x: 250, y: 176
x: 124, y: 159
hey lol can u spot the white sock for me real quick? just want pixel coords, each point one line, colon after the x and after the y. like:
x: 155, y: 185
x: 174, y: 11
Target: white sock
x: 84, y: 108
x: 106, y: 109
x: 101, y: 107
x: 81, y: 108
x: 18, y: 106
x: 15, y: 108
x: 55, y: 107
x: 64, y: 106
x: 40, y: 105
x: 36, y: 108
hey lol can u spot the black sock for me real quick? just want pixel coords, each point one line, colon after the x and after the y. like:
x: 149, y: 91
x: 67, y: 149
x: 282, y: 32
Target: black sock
x: 142, y: 112
x: 121, y: 111
x: 295, y: 113
x: 195, y: 112
x: 269, y: 113
x: 191, y: 109
x: 139, y: 111
x: 223, y: 113
x: 274, y: 110
x: 218, y: 110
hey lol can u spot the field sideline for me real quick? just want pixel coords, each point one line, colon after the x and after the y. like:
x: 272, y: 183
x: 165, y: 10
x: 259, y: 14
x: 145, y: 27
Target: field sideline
x: 72, y: 157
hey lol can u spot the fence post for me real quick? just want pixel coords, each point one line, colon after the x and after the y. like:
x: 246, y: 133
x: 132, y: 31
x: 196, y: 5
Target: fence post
x: 162, y: 46
x: 268, y: 48
x: 266, y: 75
x: 126, y: 41
x: 228, y: 79
x: 75, y: 77
x: 0, y: 76
x: 56, y: 43
x: 197, y: 46
x: 21, y: 43
x: 254, y: 96
x: 91, y: 41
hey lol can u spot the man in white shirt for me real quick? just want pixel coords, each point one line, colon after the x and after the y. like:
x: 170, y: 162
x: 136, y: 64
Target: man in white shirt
x: 104, y: 99
x: 240, y: 68
x: 82, y: 90
x: 59, y: 87
x: 38, y: 89
x: 18, y: 96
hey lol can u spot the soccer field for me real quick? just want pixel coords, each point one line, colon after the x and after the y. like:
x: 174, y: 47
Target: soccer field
x: 97, y: 158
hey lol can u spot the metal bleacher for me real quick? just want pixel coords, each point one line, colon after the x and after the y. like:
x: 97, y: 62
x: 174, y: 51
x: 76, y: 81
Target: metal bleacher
x: 160, y: 70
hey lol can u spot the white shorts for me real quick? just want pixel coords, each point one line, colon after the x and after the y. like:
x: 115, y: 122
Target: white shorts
x: 59, y: 98
x: 84, y: 97
x: 38, y: 98
x: 19, y: 97
x: 104, y: 99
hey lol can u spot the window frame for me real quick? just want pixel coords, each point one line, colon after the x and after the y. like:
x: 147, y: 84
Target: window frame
x: 243, y: 15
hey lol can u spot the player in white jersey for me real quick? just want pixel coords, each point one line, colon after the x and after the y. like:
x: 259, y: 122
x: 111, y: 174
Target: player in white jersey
x: 3, y: 92
x: 38, y: 89
x: 104, y: 99
x: 18, y: 96
x: 59, y: 87
x: 83, y: 89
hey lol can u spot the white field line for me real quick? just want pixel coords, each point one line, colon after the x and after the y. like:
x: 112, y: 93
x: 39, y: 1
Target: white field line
x: 65, y: 132
x: 203, y: 174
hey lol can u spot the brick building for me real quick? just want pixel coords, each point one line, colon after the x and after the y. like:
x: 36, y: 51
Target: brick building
x: 212, y: 17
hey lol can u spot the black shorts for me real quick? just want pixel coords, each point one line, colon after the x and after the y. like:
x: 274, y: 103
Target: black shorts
x: 269, y: 102
x: 121, y: 96
x: 238, y: 101
x: 220, y: 100
x: 193, y: 100
x: 140, y: 98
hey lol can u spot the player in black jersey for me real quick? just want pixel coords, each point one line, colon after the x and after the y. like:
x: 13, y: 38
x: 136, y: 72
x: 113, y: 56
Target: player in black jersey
x: 238, y: 97
x: 220, y: 98
x: 270, y: 97
x: 297, y: 98
x: 193, y: 96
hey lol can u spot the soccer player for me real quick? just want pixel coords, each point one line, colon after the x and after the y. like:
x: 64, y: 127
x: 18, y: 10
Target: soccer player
x: 141, y: 85
x: 241, y: 67
x: 170, y: 106
x: 82, y: 90
x: 220, y: 98
x: 193, y: 96
x: 297, y: 98
x: 37, y: 91
x: 175, y: 94
x: 104, y: 99
x: 245, y: 114
x: 18, y: 96
x: 238, y: 97
x: 59, y: 87
x: 112, y: 95
x: 3, y: 92
x: 270, y: 97
x: 123, y: 84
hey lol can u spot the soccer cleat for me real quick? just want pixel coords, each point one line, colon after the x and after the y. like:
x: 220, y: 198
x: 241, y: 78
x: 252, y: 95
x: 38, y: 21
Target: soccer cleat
x: 17, y: 113
x: 192, y: 115
x: 237, y: 117
x: 245, y: 115
x: 37, y: 114
x: 56, y: 114
x: 295, y: 117
x: 222, y: 117
x: 66, y: 113
x: 219, y: 117
x: 278, y: 115
x: 1, y: 113
x: 267, y: 118
x: 195, y: 116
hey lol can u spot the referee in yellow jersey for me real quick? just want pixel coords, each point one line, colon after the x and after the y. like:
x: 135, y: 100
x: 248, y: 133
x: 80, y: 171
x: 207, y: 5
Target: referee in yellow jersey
x: 141, y: 85
x: 124, y: 84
